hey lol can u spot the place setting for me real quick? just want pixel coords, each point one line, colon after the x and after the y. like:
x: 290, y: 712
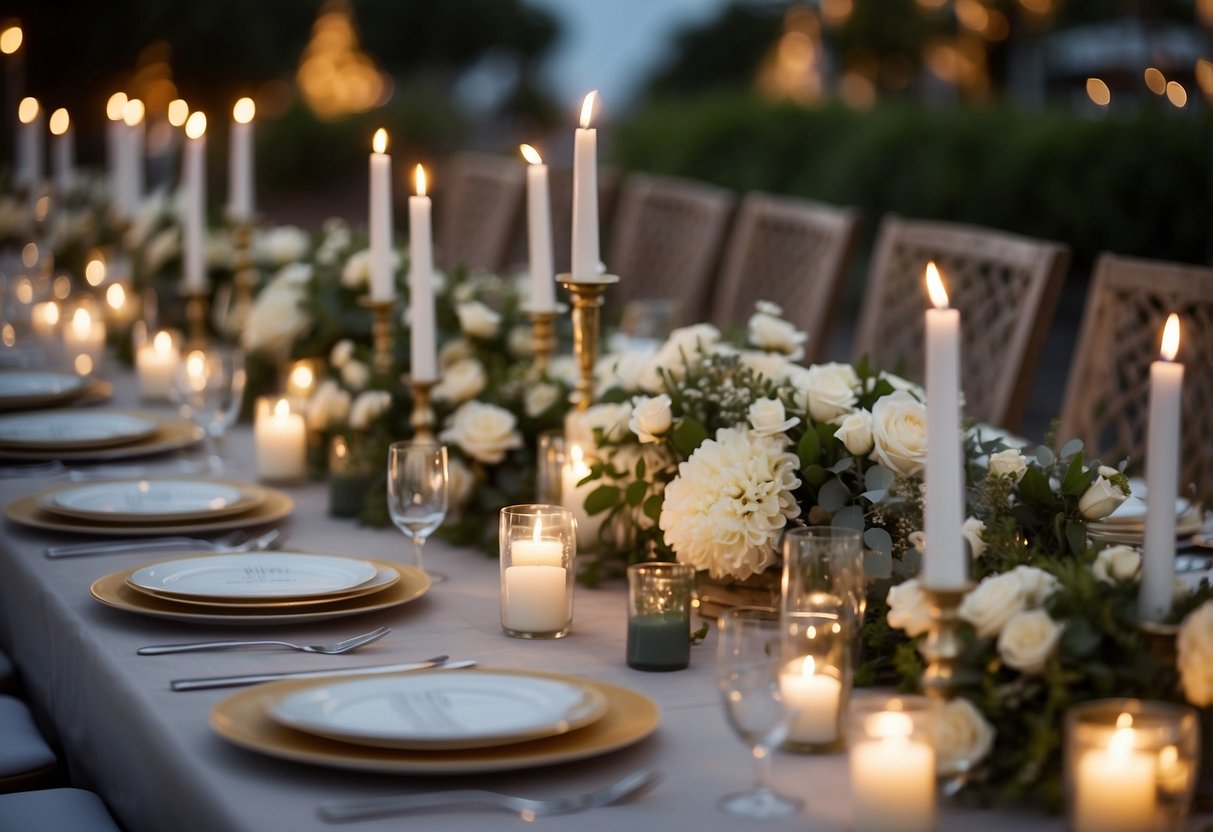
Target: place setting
x: 1127, y: 524
x: 99, y: 435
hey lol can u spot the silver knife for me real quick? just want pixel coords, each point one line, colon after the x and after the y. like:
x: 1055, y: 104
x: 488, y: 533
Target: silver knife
x: 258, y: 678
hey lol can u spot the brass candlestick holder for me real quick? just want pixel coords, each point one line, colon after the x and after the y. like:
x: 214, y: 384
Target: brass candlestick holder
x: 422, y: 420
x: 543, y: 334
x: 197, y: 309
x: 942, y: 646
x: 244, y: 277
x: 381, y: 332
x: 587, y: 301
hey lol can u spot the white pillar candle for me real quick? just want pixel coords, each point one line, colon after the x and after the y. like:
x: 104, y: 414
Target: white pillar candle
x: 539, y: 232
x: 240, y: 162
x: 537, y: 598
x: 816, y: 697
x: 383, y: 278
x: 892, y: 779
x: 63, y: 152
x: 422, y: 339
x: 115, y: 138
x: 944, y: 564
x: 44, y: 318
x: 1162, y: 478
x: 132, y: 117
x: 280, y: 437
x: 572, y: 496
x: 1114, y: 788
x: 29, y: 143
x: 194, y: 234
x: 585, y: 267
x: 156, y: 363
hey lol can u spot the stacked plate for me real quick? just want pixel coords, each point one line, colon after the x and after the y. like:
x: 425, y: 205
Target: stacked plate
x: 437, y: 722
x: 260, y: 587
x: 91, y: 435
x: 29, y: 388
x: 1127, y: 524
x: 150, y: 506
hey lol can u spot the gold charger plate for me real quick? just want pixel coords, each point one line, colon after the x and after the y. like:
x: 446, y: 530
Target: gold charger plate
x: 172, y: 433
x: 388, y: 575
x: 134, y: 433
x: 113, y: 591
x: 73, y: 387
x: 251, y: 496
x: 242, y: 720
x: 25, y: 511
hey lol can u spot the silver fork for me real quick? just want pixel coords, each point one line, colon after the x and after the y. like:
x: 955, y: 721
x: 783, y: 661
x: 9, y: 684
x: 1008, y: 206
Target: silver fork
x: 234, y: 543
x: 346, y: 646
x: 637, y: 782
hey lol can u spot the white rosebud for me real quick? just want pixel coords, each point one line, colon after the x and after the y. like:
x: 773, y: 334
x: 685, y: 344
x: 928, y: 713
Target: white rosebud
x: 770, y: 365
x: 455, y: 350
x: 614, y: 420
x: 774, y: 334
x: 1117, y: 563
x: 972, y: 530
x: 963, y: 737
x: 539, y: 398
x: 899, y: 433
x: 520, y: 343
x: 1102, y: 497
x: 368, y: 407
x: 621, y: 370
x: 485, y: 432
x: 909, y: 609
x: 992, y: 603
x: 355, y: 375
x: 684, y: 345
x: 357, y: 270
x: 461, y: 381
x: 1194, y: 647
x: 1008, y: 463
x: 768, y: 417
x: 281, y: 245
x: 855, y: 432
x: 1027, y: 641
x: 329, y: 405
x: 769, y: 307
x: 651, y: 417
x: 477, y: 320
x: 830, y: 390
x: 341, y: 353
x: 1036, y: 584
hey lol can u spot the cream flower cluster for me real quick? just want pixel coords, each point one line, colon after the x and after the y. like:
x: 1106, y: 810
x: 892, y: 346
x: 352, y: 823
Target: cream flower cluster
x: 1007, y: 607
x: 767, y: 330
x: 1195, y: 652
x: 729, y: 503
x: 278, y: 317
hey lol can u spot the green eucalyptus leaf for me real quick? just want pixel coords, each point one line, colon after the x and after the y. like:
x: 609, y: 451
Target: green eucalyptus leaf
x: 850, y: 517
x: 1074, y: 446
x: 877, y: 565
x: 809, y: 449
x: 1044, y: 455
x: 843, y: 464
x: 815, y: 475
x: 833, y: 495
x: 878, y: 478
x: 879, y: 540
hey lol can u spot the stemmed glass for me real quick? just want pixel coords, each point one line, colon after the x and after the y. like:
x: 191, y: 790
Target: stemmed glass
x: 747, y: 674
x: 417, y: 493
x: 210, y: 390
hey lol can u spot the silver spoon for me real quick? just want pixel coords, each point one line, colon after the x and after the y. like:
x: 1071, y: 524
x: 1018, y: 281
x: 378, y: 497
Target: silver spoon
x: 346, y: 646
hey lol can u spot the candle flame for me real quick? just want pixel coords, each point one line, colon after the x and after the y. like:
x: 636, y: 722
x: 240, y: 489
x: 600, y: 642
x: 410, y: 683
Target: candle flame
x: 809, y: 667
x: 10, y: 39
x: 195, y: 125
x: 587, y: 108
x: 195, y: 367
x: 1121, y: 742
x: 94, y: 272
x: 115, y: 296
x: 115, y: 106
x: 132, y: 113
x: 282, y: 409
x: 340, y: 447
x: 419, y: 176
x: 379, y: 142
x: 530, y: 154
x: 302, y: 377
x: 178, y: 112
x: 939, y: 295
x: 244, y: 110
x: 50, y: 313
x: 27, y: 110
x: 59, y: 122
x: 163, y: 342
x: 83, y: 364
x: 1170, y: 340
x: 890, y: 725
x: 82, y: 322
x: 538, y: 529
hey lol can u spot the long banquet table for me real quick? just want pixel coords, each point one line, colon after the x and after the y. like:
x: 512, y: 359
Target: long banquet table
x: 152, y: 756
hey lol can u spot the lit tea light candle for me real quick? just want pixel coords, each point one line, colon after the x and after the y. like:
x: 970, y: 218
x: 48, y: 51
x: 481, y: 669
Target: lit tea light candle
x: 84, y: 335
x: 422, y: 344
x: 44, y: 317
x: 892, y: 777
x: 29, y: 143
x: 240, y: 162
x: 280, y: 437
x: 63, y: 150
x: 301, y: 380
x: 118, y: 308
x: 383, y: 276
x: 1114, y: 786
x: 585, y: 266
x: 539, y: 232
x: 156, y: 364
x: 816, y: 696
x: 194, y: 234
x: 115, y: 140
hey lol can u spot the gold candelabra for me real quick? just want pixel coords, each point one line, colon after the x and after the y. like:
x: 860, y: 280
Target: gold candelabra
x: 942, y: 646
x: 422, y: 420
x: 587, y: 299
x: 197, y: 308
x: 543, y: 334
x: 381, y: 332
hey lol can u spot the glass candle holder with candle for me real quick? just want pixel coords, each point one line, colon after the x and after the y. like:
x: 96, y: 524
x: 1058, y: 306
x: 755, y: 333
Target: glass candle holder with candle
x: 156, y: 365
x: 280, y: 438
x: 350, y: 476
x: 84, y: 338
x: 821, y: 563
x: 1130, y: 765
x: 815, y: 675
x: 538, y: 544
x: 659, y: 615
x: 892, y: 763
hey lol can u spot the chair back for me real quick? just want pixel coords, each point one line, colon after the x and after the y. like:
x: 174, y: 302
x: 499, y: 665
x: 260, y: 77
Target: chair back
x: 479, y: 209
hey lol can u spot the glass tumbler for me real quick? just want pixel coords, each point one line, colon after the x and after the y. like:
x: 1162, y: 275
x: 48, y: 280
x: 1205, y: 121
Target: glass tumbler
x: 538, y: 544
x: 659, y: 615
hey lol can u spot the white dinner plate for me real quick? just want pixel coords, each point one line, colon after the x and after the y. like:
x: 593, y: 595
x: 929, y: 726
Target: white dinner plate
x: 1133, y: 510
x: 73, y: 429
x: 22, y: 388
x: 153, y: 501
x: 386, y: 577
x: 441, y: 711
x: 255, y: 575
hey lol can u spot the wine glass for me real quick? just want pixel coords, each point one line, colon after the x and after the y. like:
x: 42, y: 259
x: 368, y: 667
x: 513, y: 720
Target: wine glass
x: 210, y: 390
x: 747, y: 674
x: 417, y: 493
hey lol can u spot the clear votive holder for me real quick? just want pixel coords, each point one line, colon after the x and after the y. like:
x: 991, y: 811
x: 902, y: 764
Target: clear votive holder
x: 280, y: 439
x: 659, y: 615
x: 156, y: 361
x: 1130, y: 765
x: 550, y: 467
x: 815, y: 676
x: 891, y: 751
x: 821, y: 563
x: 350, y: 477
x: 538, y: 545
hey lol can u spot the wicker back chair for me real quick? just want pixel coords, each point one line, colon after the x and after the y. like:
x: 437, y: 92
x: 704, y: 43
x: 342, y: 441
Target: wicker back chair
x: 1005, y: 286
x: 1108, y: 388
x: 791, y: 251
x: 664, y: 242
x: 479, y: 204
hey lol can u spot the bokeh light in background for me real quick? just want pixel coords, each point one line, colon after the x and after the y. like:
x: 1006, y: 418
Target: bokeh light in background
x: 335, y: 76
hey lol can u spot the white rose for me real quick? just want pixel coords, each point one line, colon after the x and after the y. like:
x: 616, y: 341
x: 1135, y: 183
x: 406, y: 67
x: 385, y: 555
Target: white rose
x: 909, y: 609
x: 855, y: 432
x: 368, y: 407
x: 328, y: 406
x: 972, y: 529
x: 296, y: 274
x: 684, y: 345
x: 477, y: 320
x: 1103, y: 496
x: 918, y: 539
x: 900, y: 384
x: 651, y: 417
x: 770, y: 365
x: 357, y: 270
x: 768, y: 417
x: 539, y: 398
x: 484, y: 431
x: 621, y: 370
x: 341, y: 353
x: 460, y: 483
x: 830, y: 391
x: 613, y: 419
x: 963, y: 737
x: 161, y: 249
x: 461, y: 381
x: 992, y: 603
x: 563, y: 368
x: 355, y: 374
x: 1194, y: 646
x: 519, y: 342
x: 1036, y: 584
x: 454, y: 351
x: 774, y: 334
x: 1008, y: 463
x: 899, y: 433
x: 281, y: 245
x: 1117, y: 563
x: 219, y: 251
x: 1027, y: 641
x: 276, y: 319
x: 769, y: 307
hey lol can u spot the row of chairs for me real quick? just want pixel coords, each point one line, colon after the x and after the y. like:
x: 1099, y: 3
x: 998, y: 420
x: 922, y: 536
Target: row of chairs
x: 683, y: 240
